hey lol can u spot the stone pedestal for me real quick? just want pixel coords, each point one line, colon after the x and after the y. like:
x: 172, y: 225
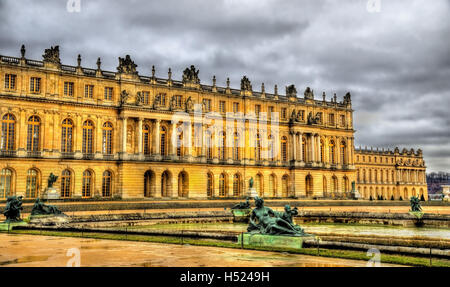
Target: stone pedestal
x: 51, y: 193
x: 276, y: 241
x: 252, y: 192
x: 241, y: 215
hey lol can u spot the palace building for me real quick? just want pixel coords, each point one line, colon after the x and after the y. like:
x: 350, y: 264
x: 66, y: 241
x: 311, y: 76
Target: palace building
x: 124, y: 135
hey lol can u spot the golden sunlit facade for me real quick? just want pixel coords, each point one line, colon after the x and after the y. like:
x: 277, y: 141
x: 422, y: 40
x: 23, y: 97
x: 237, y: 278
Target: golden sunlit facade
x: 390, y: 175
x: 123, y: 135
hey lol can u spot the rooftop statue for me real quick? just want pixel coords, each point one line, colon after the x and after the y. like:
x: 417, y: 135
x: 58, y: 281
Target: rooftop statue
x: 13, y: 208
x: 313, y: 120
x: 291, y: 91
x: 309, y: 94
x: 191, y: 75
x: 265, y: 221
x: 245, y: 84
x: 51, y: 180
x: 39, y: 208
x: 52, y: 55
x: 415, y: 204
x: 347, y: 99
x: 123, y: 97
x: 242, y: 205
x: 126, y: 65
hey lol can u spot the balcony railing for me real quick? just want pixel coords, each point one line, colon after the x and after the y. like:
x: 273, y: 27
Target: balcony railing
x: 67, y: 155
x: 7, y: 153
x: 88, y: 155
x: 34, y: 154
x: 108, y: 156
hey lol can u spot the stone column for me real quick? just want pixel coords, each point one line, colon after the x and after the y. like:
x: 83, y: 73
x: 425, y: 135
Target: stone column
x: 156, y: 136
x: 313, y: 150
x: 203, y: 143
x: 301, y: 147
x: 295, y: 146
x: 140, y: 151
x: 189, y: 139
x: 124, y: 135
x: 174, y: 140
x: 318, y: 148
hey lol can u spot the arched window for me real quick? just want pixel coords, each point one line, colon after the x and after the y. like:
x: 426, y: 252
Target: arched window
x: 107, y: 184
x: 149, y: 183
x: 86, y: 190
x: 236, y: 148
x: 32, y: 184
x: 364, y: 175
x: 343, y: 153
x: 163, y: 141
x: 345, y: 184
x: 66, y: 183
x: 335, y: 184
x: 222, y: 185
x: 67, y: 136
x: 6, y: 176
x: 209, y: 145
x: 222, y: 145
x: 88, y: 137
x: 165, y: 184
x: 284, y: 155
x: 332, y: 149
x: 8, y: 132
x: 146, y: 139
x: 33, y: 133
x: 209, y: 185
x: 183, y: 184
x: 107, y: 141
x: 258, y: 148
x: 324, y: 186
x: 237, y: 185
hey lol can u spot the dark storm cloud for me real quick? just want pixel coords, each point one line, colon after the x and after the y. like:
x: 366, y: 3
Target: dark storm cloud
x: 396, y: 63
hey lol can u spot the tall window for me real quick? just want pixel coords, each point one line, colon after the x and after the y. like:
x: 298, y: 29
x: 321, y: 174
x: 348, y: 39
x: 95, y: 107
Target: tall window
x: 209, y: 145
x: 222, y: 145
x: 235, y: 107
x: 209, y: 185
x: 304, y: 149
x: 343, y: 153
x: 107, y: 184
x: 5, y: 183
x: 342, y: 120
x: 236, y: 153
x: 8, y: 132
x: 10, y: 81
x: 35, y: 85
x: 33, y: 133
x: 207, y: 105
x: 108, y: 93
x: 271, y: 146
x: 322, y: 151
x: 178, y: 101
x: 88, y: 136
x: 89, y: 91
x: 222, y: 107
x: 284, y: 155
x: 331, y: 119
x: 283, y: 113
x: 68, y: 89
x: 258, y: 148
x: 163, y: 141
x: 236, y: 185
x: 66, y: 136
x: 86, y: 190
x: 180, y: 142
x: 107, y: 138
x: 332, y: 152
x: 32, y: 183
x: 146, y: 97
x: 146, y: 138
x: 66, y: 183
x: 257, y: 110
x: 222, y: 185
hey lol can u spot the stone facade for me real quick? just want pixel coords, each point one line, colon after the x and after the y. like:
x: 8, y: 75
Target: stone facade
x: 121, y: 134
x: 390, y: 174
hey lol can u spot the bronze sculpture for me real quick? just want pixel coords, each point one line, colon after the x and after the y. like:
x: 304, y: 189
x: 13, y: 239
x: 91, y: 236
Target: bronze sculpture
x: 39, y: 208
x: 51, y: 180
x: 415, y: 204
x: 13, y: 208
x: 242, y: 205
x: 265, y: 221
x: 289, y: 213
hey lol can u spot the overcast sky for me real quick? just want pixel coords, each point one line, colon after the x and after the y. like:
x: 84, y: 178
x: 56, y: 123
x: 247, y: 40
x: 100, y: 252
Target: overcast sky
x: 395, y: 62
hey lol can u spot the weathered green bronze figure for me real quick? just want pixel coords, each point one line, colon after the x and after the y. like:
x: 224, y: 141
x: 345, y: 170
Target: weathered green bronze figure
x: 39, y: 208
x: 13, y: 208
x: 250, y: 183
x: 415, y: 204
x: 242, y: 205
x: 264, y: 220
x: 51, y: 180
x: 288, y: 213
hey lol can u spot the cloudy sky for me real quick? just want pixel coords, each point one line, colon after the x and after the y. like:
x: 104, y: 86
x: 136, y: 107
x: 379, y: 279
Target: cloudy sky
x: 394, y: 60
